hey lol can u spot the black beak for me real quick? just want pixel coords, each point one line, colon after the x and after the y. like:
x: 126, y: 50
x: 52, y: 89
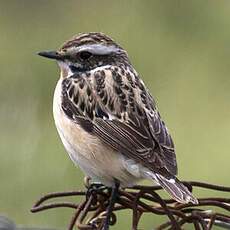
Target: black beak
x: 51, y: 54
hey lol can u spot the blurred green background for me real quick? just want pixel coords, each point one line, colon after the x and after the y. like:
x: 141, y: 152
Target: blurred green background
x: 180, y: 48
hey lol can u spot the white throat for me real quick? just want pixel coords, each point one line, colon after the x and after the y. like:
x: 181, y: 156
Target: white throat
x: 65, y: 70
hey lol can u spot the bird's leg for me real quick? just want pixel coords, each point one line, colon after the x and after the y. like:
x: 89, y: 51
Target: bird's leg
x: 94, y: 188
x: 97, y: 186
x: 111, y: 204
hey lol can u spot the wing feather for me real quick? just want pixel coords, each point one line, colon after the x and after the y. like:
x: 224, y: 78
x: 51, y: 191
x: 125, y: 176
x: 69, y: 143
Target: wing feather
x: 123, y: 115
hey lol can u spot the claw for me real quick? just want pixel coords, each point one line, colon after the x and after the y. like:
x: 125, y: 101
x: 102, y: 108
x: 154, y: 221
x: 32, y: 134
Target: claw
x: 94, y: 188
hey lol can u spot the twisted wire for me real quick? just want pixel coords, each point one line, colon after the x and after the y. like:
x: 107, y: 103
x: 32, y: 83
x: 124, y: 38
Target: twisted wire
x: 89, y: 213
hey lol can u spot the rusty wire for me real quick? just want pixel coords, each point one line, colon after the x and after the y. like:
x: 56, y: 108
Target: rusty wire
x: 89, y: 214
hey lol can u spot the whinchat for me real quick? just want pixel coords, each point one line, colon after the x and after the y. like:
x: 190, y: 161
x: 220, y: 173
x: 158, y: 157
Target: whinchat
x: 107, y: 119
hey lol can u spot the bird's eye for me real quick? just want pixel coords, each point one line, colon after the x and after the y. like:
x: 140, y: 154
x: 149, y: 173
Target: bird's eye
x: 84, y: 55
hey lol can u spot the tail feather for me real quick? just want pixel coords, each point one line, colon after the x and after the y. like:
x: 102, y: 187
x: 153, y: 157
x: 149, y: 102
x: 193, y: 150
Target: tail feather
x: 176, y: 189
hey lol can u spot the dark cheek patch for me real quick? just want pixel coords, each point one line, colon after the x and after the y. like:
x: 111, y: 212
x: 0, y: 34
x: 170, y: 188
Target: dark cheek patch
x: 76, y: 69
x: 73, y: 68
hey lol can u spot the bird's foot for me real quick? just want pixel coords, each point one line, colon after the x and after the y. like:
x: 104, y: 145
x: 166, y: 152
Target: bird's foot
x: 95, y: 188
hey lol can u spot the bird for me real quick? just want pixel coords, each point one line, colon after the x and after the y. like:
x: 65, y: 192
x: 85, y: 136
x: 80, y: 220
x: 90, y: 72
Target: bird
x: 108, y: 120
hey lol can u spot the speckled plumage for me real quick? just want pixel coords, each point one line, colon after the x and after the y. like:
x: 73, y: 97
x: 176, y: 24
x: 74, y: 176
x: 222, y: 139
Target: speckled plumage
x: 107, y: 96
x: 107, y: 119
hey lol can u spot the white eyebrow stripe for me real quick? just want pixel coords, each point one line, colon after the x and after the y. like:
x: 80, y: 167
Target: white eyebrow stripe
x: 98, y: 49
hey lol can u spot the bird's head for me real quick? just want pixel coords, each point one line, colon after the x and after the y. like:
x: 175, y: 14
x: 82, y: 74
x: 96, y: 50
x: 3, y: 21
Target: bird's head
x: 86, y: 52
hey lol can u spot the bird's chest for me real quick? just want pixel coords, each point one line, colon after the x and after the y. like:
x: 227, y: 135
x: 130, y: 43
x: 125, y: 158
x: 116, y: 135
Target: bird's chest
x: 96, y: 159
x: 77, y: 142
